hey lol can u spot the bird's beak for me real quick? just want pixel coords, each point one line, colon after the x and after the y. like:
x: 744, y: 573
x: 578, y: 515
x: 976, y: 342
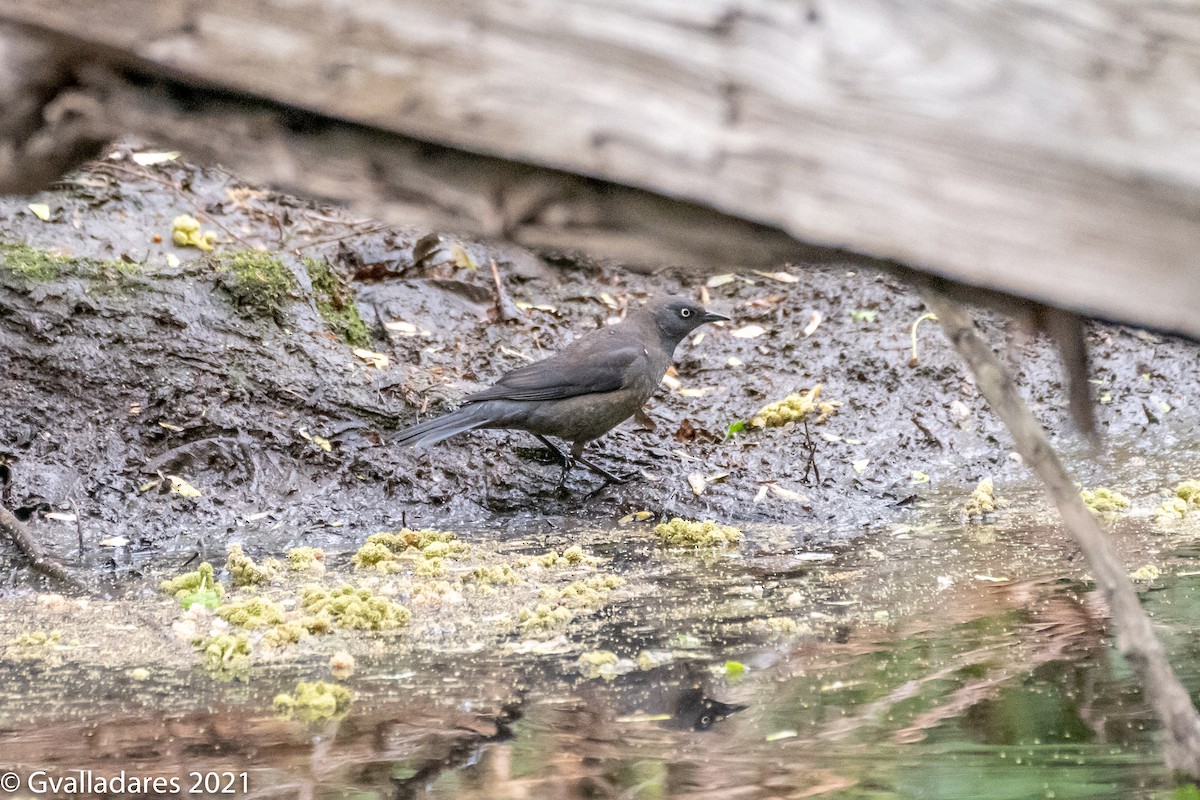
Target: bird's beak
x: 712, y: 316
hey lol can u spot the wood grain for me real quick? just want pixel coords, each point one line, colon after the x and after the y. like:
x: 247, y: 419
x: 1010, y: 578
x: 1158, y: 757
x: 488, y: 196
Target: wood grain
x: 1049, y: 149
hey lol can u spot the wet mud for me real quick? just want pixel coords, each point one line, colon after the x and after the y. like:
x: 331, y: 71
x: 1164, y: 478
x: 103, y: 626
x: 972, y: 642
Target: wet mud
x: 162, y: 403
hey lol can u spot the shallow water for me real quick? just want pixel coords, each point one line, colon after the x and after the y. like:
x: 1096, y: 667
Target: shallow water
x: 911, y: 662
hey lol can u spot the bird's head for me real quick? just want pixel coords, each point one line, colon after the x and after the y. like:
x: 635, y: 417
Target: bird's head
x: 676, y: 317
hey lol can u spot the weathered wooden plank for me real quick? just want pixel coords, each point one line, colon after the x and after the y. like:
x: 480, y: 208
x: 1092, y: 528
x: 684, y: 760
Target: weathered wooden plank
x: 1046, y: 148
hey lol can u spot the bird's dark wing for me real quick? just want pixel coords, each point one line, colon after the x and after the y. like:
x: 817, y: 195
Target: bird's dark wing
x: 574, y: 372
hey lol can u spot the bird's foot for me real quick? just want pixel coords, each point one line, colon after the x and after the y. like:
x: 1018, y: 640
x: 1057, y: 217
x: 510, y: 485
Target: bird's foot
x: 608, y: 476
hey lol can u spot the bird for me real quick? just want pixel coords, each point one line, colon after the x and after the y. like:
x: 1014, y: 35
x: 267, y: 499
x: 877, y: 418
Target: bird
x: 583, y: 391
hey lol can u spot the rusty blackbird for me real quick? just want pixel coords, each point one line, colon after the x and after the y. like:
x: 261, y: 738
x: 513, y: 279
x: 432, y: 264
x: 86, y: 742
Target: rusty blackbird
x: 591, y: 386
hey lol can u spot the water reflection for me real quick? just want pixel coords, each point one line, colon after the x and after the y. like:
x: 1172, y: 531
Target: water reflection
x: 914, y: 668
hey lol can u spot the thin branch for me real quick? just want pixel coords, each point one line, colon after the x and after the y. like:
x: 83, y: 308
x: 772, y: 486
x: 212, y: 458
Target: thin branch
x: 33, y: 551
x: 1135, y: 633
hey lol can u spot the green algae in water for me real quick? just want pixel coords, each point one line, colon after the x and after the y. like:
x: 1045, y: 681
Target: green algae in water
x: 253, y: 613
x: 1103, y: 500
x: 355, y: 608
x: 544, y: 617
x: 685, y: 533
x: 226, y: 652
x: 335, y: 304
x: 314, y: 700
x: 1185, y: 499
x: 385, y: 552
x: 246, y: 572
x: 199, y: 587
x: 306, y: 559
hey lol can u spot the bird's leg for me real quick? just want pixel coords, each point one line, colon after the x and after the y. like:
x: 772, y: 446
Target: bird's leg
x: 567, y: 461
x: 577, y: 457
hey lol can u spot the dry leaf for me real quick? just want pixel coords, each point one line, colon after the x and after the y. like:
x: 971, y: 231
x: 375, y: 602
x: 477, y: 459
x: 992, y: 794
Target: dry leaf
x: 149, y: 159
x: 376, y: 360
x: 698, y: 483
x: 813, y: 322
x: 719, y: 280
x: 860, y: 466
x: 749, y: 332
x: 61, y: 516
x: 181, y: 487
x: 41, y: 211
x: 786, y: 494
x: 782, y: 277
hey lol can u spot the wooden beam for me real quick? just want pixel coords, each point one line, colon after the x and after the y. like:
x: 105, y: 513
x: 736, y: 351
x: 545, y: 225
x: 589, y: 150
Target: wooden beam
x: 1043, y: 147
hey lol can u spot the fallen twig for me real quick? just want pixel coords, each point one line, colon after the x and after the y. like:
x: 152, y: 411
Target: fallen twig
x: 1135, y: 634
x: 29, y: 547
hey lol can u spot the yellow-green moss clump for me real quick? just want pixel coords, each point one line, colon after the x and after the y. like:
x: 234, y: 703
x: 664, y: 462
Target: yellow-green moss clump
x: 794, y: 408
x: 360, y: 609
x: 598, y: 664
x: 245, y: 572
x: 253, y: 613
x: 226, y: 652
x: 185, y: 232
x: 195, y: 588
x: 335, y: 304
x: 1103, y: 500
x: 573, y: 556
x: 591, y: 591
x: 36, y: 639
x: 544, y: 617
x: 385, y: 552
x: 306, y: 559
x: 1184, y: 499
x: 685, y: 533
x: 494, y: 575
x: 259, y: 282
x: 314, y: 700
x: 983, y: 501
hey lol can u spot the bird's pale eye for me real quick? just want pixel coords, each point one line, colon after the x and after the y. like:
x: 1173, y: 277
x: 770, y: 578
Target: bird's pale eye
x: 685, y: 312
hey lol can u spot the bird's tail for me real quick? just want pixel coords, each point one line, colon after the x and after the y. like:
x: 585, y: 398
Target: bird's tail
x: 432, y: 431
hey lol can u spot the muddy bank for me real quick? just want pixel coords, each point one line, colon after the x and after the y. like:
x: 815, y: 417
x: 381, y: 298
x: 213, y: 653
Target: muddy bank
x: 128, y: 359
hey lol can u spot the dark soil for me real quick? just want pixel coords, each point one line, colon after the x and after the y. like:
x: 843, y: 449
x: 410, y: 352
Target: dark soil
x: 121, y: 369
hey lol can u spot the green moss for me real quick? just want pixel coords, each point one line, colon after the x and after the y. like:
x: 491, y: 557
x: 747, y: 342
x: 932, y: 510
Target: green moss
x: 684, y: 533
x: 1103, y: 500
x: 253, y: 613
x: 32, y: 264
x: 314, y: 700
x: 258, y: 282
x: 245, y: 572
x: 335, y: 304
x: 349, y: 607
x: 195, y: 588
